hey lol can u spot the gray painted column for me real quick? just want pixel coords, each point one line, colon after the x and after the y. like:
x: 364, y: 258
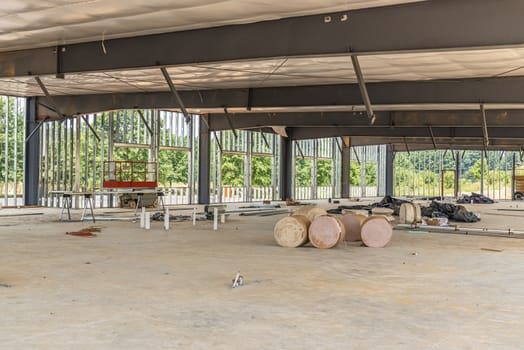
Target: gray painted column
x: 457, y: 173
x: 286, y: 168
x: 32, y: 156
x: 346, y: 160
x: 513, y: 162
x: 204, y: 141
x: 389, y: 170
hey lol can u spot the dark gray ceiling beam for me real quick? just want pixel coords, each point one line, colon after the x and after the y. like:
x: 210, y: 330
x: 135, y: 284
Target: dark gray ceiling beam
x: 421, y: 26
x: 399, y: 143
x: 377, y: 131
x: 398, y: 119
x: 460, y: 91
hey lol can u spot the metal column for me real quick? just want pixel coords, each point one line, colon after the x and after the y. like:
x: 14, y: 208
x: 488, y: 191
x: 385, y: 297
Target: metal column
x: 32, y: 158
x: 346, y: 161
x: 389, y: 170
x: 204, y: 151
x: 457, y: 173
x: 286, y: 167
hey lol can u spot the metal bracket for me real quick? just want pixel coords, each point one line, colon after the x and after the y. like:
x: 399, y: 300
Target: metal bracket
x: 300, y: 150
x: 432, y: 137
x: 38, y: 126
x: 91, y: 128
x: 49, y: 97
x: 169, y: 82
x: 264, y: 138
x: 230, y: 122
x: 484, y: 126
x: 338, y: 145
x: 218, y: 142
x: 356, y: 156
x: 363, y: 89
x: 141, y: 114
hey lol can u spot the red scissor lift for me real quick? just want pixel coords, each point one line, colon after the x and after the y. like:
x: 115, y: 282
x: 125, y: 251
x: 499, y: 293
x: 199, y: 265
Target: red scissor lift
x: 132, y: 178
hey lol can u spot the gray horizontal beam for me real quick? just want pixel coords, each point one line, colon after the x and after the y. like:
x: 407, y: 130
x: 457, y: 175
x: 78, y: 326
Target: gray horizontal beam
x: 420, y: 26
x: 463, y: 91
x: 301, y: 133
x: 399, y: 144
x: 398, y: 119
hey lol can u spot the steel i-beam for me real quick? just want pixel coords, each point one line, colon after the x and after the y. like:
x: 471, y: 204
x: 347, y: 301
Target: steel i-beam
x: 363, y: 89
x: 169, y: 82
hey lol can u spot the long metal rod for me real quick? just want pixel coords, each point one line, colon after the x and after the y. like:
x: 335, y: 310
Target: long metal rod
x: 38, y: 126
x: 230, y: 122
x: 169, y: 82
x: 300, y: 150
x: 91, y: 128
x: 466, y: 230
x: 363, y: 89
x: 432, y: 137
x: 264, y: 138
x: 484, y: 126
x: 6, y: 153
x: 141, y: 114
x: 49, y: 97
x: 218, y: 142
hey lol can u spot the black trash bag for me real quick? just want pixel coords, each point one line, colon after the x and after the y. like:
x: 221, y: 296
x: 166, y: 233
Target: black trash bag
x: 450, y: 211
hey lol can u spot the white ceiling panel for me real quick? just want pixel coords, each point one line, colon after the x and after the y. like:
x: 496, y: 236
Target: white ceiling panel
x: 38, y: 23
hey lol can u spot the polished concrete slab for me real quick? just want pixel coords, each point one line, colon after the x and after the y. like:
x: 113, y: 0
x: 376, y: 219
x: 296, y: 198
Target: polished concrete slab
x: 129, y: 288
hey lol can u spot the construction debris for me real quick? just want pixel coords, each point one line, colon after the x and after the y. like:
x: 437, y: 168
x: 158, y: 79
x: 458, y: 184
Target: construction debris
x: 450, y: 211
x: 475, y: 198
x: 81, y: 234
x: 159, y: 216
x: 492, y: 250
x: 238, y: 280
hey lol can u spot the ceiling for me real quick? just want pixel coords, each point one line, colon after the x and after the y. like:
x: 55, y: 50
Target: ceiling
x: 472, y: 43
x: 40, y: 23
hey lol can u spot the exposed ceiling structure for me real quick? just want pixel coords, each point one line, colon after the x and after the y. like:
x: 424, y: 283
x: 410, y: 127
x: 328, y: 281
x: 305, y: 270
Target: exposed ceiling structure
x: 291, y: 59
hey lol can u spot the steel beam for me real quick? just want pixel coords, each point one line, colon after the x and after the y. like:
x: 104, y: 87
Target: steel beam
x: 204, y: 160
x: 363, y: 89
x: 397, y: 119
x: 286, y: 168
x: 389, y: 170
x: 95, y: 134
x: 322, y: 97
x: 32, y: 156
x: 175, y: 93
x: 144, y: 120
x: 346, y: 160
x: 302, y: 133
x: 419, y: 26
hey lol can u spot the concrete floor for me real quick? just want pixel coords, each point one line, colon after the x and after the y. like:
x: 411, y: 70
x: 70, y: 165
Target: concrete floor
x: 135, y: 289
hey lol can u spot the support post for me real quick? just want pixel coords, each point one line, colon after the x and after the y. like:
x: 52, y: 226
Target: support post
x: 286, y: 167
x: 346, y: 162
x: 389, y: 170
x: 457, y: 173
x: 204, y: 151
x: 482, y: 155
x: 513, y: 163
x: 32, y: 157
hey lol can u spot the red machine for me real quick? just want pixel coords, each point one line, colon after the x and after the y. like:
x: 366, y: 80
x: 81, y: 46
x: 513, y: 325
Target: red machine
x: 130, y: 174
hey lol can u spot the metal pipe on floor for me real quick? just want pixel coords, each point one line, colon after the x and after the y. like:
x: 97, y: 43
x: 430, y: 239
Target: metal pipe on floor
x: 465, y: 230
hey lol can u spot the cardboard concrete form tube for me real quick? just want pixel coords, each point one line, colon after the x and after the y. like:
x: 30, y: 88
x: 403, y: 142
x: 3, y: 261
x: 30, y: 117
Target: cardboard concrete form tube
x: 352, y: 223
x: 292, y: 231
x: 376, y: 232
x: 311, y: 212
x: 326, y: 232
x: 410, y: 213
